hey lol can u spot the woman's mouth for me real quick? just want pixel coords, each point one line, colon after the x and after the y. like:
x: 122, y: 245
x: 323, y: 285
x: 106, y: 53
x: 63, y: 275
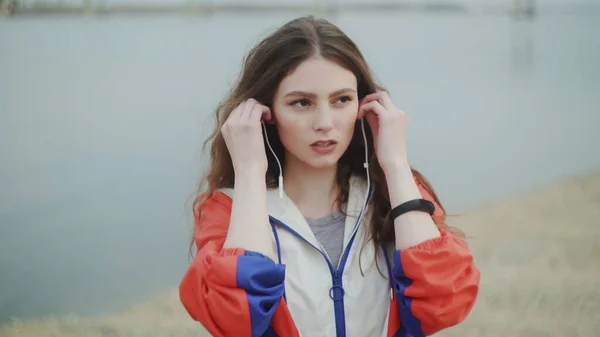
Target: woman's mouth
x: 324, y: 146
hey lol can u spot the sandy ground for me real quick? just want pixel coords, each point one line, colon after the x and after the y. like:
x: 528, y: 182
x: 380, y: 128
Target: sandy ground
x: 539, y: 254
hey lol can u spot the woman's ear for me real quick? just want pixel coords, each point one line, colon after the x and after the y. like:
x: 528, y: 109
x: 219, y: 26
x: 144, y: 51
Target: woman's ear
x: 272, y: 120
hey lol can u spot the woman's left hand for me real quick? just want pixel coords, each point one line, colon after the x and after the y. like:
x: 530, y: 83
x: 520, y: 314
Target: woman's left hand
x: 390, y: 127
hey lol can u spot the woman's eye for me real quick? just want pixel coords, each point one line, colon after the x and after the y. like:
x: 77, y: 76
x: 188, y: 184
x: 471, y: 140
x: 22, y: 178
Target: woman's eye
x: 301, y: 103
x: 345, y: 99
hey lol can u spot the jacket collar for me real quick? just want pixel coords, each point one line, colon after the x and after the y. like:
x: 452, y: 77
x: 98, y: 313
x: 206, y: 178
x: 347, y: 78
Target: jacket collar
x: 285, y: 211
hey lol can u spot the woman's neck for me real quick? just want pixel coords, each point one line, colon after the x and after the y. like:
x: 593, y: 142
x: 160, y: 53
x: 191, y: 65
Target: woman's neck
x: 314, y: 191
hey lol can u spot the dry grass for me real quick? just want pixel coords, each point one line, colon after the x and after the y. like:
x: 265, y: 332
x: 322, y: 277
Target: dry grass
x: 539, y: 255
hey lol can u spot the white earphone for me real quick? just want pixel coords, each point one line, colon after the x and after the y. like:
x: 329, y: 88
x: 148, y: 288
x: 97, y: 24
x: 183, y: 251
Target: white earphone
x: 280, y: 186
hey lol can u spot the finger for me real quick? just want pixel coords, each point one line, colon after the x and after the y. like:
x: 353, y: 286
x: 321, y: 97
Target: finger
x: 235, y: 114
x: 248, y: 107
x: 260, y: 112
x: 381, y: 96
x: 373, y: 106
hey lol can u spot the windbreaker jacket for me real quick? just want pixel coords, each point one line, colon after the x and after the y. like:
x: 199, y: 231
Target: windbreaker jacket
x: 414, y: 292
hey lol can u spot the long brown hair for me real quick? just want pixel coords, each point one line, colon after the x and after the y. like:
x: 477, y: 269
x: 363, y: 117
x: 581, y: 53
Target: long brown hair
x: 264, y: 68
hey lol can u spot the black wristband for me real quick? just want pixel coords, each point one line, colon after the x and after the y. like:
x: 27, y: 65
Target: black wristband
x: 412, y: 205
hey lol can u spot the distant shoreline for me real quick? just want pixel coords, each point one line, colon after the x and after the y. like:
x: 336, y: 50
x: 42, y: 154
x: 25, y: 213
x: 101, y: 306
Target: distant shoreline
x: 210, y: 8
x: 515, y: 9
x: 199, y: 9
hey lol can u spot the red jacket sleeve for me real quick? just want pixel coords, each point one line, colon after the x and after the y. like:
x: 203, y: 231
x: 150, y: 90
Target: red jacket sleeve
x: 436, y: 281
x: 232, y: 292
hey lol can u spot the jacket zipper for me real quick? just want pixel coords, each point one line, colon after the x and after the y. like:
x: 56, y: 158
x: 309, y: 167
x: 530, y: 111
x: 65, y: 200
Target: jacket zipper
x: 337, y: 290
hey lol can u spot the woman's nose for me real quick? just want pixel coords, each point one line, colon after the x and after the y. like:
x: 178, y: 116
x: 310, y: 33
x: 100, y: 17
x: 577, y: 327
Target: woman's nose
x: 323, y: 119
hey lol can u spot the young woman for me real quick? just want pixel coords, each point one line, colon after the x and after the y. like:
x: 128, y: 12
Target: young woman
x: 314, y: 224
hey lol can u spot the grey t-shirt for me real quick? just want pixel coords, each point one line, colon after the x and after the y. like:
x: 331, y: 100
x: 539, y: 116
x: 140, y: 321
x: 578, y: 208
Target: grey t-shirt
x: 329, y: 231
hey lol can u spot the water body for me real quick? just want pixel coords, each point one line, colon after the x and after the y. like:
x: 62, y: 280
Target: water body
x: 102, y: 119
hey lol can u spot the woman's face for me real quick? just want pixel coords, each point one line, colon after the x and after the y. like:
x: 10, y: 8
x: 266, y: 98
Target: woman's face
x: 315, y: 109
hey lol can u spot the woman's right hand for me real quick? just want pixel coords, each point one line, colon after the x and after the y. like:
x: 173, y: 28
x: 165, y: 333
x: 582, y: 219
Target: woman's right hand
x: 243, y: 135
x: 249, y: 220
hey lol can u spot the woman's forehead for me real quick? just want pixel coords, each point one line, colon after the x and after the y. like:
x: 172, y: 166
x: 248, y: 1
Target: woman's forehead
x: 318, y: 76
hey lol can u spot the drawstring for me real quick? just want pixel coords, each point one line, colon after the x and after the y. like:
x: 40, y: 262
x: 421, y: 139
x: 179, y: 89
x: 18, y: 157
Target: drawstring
x: 389, y: 268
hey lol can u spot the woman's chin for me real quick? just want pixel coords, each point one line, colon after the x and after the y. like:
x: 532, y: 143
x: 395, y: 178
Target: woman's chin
x: 314, y: 161
x: 323, y: 162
